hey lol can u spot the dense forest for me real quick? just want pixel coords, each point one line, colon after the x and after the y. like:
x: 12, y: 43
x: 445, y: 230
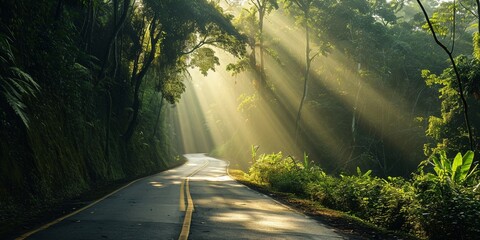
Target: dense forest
x: 86, y: 88
x: 357, y: 83
x: 99, y: 91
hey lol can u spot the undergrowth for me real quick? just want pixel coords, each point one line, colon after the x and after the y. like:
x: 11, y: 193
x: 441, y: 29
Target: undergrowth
x: 444, y: 204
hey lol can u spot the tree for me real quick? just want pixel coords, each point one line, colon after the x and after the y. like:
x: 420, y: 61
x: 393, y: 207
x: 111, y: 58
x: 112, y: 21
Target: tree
x: 177, y: 29
x: 251, y: 22
x: 305, y: 7
x: 449, y: 52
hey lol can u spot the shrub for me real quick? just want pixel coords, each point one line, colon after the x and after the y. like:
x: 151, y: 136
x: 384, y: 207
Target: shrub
x: 444, y: 205
x: 447, y: 211
x: 284, y: 174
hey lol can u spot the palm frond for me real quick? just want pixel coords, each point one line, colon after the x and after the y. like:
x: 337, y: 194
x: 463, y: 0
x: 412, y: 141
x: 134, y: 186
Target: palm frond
x: 15, y: 84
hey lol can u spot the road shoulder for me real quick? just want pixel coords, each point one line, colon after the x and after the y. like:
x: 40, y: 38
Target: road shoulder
x: 351, y: 227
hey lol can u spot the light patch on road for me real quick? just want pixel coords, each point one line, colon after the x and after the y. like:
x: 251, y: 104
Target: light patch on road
x: 212, y: 179
x: 157, y: 184
x: 232, y: 217
x: 261, y: 222
x: 191, y: 164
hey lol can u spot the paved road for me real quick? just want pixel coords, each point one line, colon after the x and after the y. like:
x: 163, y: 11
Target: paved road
x: 160, y: 207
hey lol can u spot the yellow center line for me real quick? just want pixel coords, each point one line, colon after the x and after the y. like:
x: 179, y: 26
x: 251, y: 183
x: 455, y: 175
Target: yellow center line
x: 189, y: 211
x: 182, y: 196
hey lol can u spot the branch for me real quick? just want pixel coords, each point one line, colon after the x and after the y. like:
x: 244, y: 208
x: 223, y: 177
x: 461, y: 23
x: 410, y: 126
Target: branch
x: 255, y: 4
x: 467, y: 9
x: 430, y: 26
x: 454, y: 24
x: 478, y: 14
x: 200, y: 44
x: 314, y: 56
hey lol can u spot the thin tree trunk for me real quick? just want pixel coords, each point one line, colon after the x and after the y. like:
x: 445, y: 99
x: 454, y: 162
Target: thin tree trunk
x: 89, y: 27
x: 115, y: 40
x: 113, y: 36
x: 457, y: 75
x: 263, y: 80
x: 107, y: 126
x: 307, y: 71
x: 59, y: 10
x: 478, y: 15
x: 158, y: 117
x: 138, y: 80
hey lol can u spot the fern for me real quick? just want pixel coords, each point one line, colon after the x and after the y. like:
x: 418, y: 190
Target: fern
x: 15, y: 84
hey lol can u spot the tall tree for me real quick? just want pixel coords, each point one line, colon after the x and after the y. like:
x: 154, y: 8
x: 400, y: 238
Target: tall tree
x: 262, y: 8
x: 305, y: 7
x: 251, y: 22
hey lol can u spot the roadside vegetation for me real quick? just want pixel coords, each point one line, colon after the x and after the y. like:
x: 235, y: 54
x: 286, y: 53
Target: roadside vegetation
x: 440, y: 201
x: 90, y: 96
x: 87, y: 90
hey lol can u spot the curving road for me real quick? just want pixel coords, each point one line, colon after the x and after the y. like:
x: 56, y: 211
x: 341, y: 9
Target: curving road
x: 195, y: 201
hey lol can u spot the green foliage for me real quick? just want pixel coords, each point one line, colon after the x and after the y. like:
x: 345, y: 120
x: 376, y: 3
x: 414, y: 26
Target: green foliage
x: 247, y: 104
x: 204, y: 59
x: 283, y: 174
x: 446, y: 211
x: 15, y: 84
x: 476, y: 45
x: 447, y: 131
x: 94, y: 72
x: 456, y: 171
x: 427, y: 206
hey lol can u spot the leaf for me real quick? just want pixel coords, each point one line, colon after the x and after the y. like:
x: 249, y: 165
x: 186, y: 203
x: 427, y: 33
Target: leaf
x: 446, y: 164
x: 437, y: 165
x: 15, y: 84
x: 472, y: 173
x: 467, y: 163
x: 457, y: 162
x: 367, y: 174
x: 273, y: 3
x: 205, y: 59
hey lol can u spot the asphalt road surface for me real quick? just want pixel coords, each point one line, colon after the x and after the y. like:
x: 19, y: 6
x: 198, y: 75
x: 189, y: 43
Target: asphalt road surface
x: 195, y: 201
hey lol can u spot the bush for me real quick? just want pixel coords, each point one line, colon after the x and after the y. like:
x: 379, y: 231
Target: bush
x: 447, y: 211
x: 384, y: 203
x: 429, y: 206
x: 283, y: 174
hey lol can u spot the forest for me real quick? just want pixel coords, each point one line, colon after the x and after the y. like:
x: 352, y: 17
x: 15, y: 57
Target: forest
x: 370, y: 107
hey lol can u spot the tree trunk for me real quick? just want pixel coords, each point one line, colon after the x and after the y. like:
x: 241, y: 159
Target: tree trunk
x: 158, y: 117
x: 107, y: 126
x: 306, y: 74
x: 457, y: 75
x: 138, y: 80
x: 59, y: 10
x: 263, y: 80
x: 117, y: 27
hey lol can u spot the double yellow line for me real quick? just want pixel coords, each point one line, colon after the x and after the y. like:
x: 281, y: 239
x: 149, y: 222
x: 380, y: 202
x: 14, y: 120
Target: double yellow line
x: 185, y: 190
